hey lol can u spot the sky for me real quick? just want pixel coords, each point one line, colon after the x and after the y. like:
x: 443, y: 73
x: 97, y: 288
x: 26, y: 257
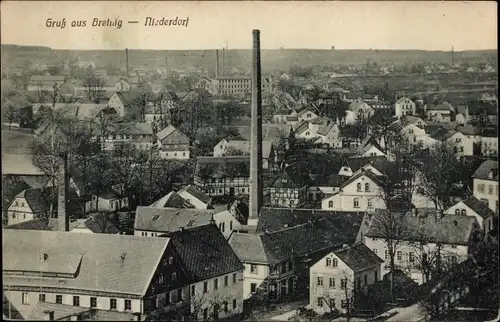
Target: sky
x: 436, y: 25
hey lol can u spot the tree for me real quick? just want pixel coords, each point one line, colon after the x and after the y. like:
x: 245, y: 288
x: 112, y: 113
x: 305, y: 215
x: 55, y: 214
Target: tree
x: 11, y: 113
x: 232, y: 151
x: 394, y: 230
x: 204, y: 308
x: 94, y: 86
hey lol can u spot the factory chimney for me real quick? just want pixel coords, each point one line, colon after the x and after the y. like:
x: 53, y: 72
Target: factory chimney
x: 256, y: 192
x: 223, y: 62
x: 452, y: 57
x: 216, y: 63
x: 166, y: 66
x: 126, y: 61
x: 62, y: 196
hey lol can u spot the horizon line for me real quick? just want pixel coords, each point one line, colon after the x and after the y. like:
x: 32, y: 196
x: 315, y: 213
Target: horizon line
x: 282, y: 48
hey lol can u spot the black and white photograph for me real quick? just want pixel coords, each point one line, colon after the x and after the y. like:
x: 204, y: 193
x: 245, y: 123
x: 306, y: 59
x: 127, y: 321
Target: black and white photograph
x: 249, y: 161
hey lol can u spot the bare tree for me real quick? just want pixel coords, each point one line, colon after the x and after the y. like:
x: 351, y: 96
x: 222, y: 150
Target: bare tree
x: 393, y: 229
x: 11, y: 113
x: 204, y: 308
x: 94, y: 86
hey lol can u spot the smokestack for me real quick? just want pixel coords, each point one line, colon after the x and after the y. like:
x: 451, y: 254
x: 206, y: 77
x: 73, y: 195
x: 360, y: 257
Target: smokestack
x: 223, y: 62
x: 62, y: 200
x: 126, y: 60
x: 256, y: 192
x: 452, y: 56
x: 216, y: 63
x: 166, y: 66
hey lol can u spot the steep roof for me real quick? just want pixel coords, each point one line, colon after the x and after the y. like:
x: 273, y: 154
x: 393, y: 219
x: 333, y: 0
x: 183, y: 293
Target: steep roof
x: 442, y: 134
x: 37, y: 199
x: 358, y: 257
x: 127, y: 97
x: 478, y: 207
x: 356, y: 163
x: 284, y: 244
x: 450, y: 229
x: 101, y: 224
x: 170, y: 219
x: 220, y: 167
x: 133, y: 259
x: 440, y: 107
x: 376, y: 179
x: 205, y: 252
x: 274, y: 219
x: 485, y: 169
x: 163, y: 134
x: 324, y: 130
x: 198, y: 194
x: 293, y: 176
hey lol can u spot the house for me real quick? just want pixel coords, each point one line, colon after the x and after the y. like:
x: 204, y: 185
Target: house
x: 404, y: 106
x: 45, y: 83
x: 486, y: 112
x: 462, y: 145
x: 306, y: 115
x: 122, y: 85
x: 289, y: 187
x: 489, y: 142
x: 100, y: 223
x: 412, y: 128
x: 173, y: 144
x: 214, y: 273
x: 149, y: 269
x: 441, y: 113
x: 28, y: 205
x: 352, y: 165
x: 329, y: 135
x: 223, y: 176
x: 281, y: 115
x: 485, y: 184
x: 153, y: 221
x: 107, y: 201
x: 239, y: 147
x: 188, y: 197
x: 356, y: 110
x: 338, y: 276
x: 321, y: 185
x: 139, y: 135
x: 122, y: 102
x: 426, y: 236
x: 362, y: 192
x: 475, y: 208
x: 277, y: 262
x: 369, y: 148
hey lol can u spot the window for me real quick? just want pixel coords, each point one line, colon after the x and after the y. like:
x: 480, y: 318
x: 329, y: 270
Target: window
x: 490, y: 189
x: 367, y: 187
x: 454, y: 260
x: 366, y: 279
x: 480, y: 187
x: 370, y: 203
x: 179, y: 295
x: 343, y: 303
x: 375, y: 251
x: 332, y: 282
x: 386, y: 254
x: 231, y: 225
x: 411, y: 257
x: 343, y: 283
x: 76, y: 301
x: 328, y: 262
x: 226, y: 280
x: 399, y: 255
x: 356, y: 202
x: 216, y: 284
x: 485, y: 201
x: 205, y: 313
x: 335, y: 262
x: 320, y: 301
x: 160, y: 279
x: 320, y: 281
x: 128, y: 305
x: 234, y: 304
x: 332, y: 303
x: 330, y: 204
x: 174, y: 276
x: 112, y: 304
x: 234, y: 278
x: 290, y: 265
x: 225, y: 307
x: 359, y: 186
x: 170, y: 260
x: 253, y: 269
x: 205, y: 287
x: 58, y: 299
x: 93, y: 302
x: 463, y: 212
x: 375, y: 276
x: 41, y: 297
x: 193, y: 290
x: 25, y: 299
x: 253, y: 287
x: 457, y: 212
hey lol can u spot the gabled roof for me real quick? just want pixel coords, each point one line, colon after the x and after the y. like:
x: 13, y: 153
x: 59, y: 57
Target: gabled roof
x: 293, y: 176
x: 127, y: 97
x: 133, y: 259
x: 485, y: 169
x: 376, y: 179
x: 478, y: 207
x: 324, y: 130
x: 305, y: 111
x: 440, y: 107
x: 101, y: 224
x: 198, y: 194
x: 170, y: 219
x: 332, y: 180
x: 220, y: 167
x: 37, y: 199
x: 285, y: 244
x: 442, y: 134
x: 35, y: 224
x: 204, y: 252
x: 402, y: 100
x: 163, y: 134
x: 449, y: 230
x: 358, y: 257
x: 356, y: 163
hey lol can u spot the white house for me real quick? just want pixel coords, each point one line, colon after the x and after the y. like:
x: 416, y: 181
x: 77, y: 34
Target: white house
x: 460, y: 143
x: 427, y: 237
x: 342, y: 272
x: 404, y: 106
x: 27, y: 205
x: 173, y: 144
x: 306, y: 115
x: 412, y: 128
x: 109, y: 201
x: 329, y: 135
x: 440, y: 113
x: 475, y: 208
x: 243, y: 147
x: 187, y: 197
x: 356, y: 110
x: 485, y: 184
x: 362, y: 192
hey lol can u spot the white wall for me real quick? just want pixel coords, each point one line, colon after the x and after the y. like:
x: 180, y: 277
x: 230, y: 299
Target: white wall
x: 248, y: 278
x: 19, y: 213
x: 489, y: 192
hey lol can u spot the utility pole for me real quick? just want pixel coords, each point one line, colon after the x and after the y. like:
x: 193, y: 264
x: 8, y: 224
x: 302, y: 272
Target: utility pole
x: 452, y: 56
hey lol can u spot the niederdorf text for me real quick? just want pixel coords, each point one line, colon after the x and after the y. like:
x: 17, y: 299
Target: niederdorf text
x: 152, y: 22
x: 95, y: 22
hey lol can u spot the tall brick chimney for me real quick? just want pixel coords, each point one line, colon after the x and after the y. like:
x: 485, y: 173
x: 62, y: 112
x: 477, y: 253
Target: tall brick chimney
x: 126, y: 60
x: 166, y: 65
x: 216, y: 63
x: 256, y: 191
x: 62, y: 196
x: 223, y: 62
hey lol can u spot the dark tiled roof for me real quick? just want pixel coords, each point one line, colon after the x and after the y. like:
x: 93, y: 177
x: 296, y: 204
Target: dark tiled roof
x: 450, y: 229
x: 274, y: 219
x: 292, y: 176
x: 220, y: 167
x: 483, y: 172
x: 358, y: 257
x: 376, y: 179
x: 332, y: 180
x: 195, y: 192
x: 356, y: 163
x: 102, y: 224
x: 37, y: 199
x: 35, y: 224
x: 170, y: 219
x: 204, y: 252
x: 442, y: 134
x: 479, y: 207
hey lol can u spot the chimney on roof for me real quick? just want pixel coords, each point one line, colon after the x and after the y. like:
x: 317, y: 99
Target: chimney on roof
x: 48, y: 315
x: 216, y: 63
x: 126, y: 61
x: 256, y: 191
x: 62, y: 200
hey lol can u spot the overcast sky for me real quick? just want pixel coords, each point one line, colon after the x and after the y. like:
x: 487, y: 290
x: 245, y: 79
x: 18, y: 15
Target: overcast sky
x: 345, y: 25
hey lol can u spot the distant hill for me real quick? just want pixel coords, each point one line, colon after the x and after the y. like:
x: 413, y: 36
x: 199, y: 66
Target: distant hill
x: 276, y: 59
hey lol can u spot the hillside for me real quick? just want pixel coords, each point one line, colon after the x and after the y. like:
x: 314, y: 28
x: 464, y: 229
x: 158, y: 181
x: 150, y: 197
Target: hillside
x: 276, y: 59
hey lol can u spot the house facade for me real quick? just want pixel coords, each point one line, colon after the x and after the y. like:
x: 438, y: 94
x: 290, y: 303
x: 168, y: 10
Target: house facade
x: 107, y: 202
x: 485, y: 184
x: 289, y: 187
x: 475, y: 208
x: 404, y: 106
x: 173, y: 144
x: 29, y: 204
